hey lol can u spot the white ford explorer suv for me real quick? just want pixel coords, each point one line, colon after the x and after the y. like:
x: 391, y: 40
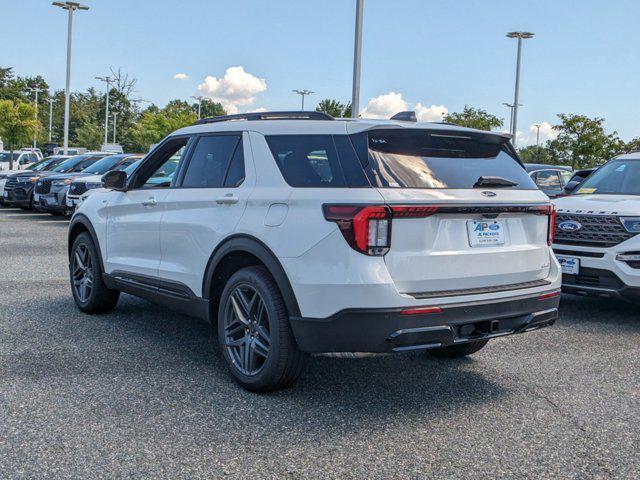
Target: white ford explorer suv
x: 297, y: 233
x: 597, y: 230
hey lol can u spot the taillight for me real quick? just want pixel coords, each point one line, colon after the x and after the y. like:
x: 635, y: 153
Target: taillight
x: 411, y: 211
x: 366, y: 229
x: 550, y: 211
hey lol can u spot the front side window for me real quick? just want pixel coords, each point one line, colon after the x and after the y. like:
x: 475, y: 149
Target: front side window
x: 210, y: 160
x: 548, y: 180
x: 158, y: 169
x: 434, y: 159
x: 620, y: 177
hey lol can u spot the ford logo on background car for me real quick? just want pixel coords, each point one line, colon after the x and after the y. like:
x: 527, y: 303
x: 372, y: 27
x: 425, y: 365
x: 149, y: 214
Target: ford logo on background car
x: 570, y: 226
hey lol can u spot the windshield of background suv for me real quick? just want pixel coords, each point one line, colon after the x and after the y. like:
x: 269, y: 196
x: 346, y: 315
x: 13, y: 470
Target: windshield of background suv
x: 620, y: 177
x: 4, y: 157
x: 416, y: 158
x: 105, y: 165
x: 76, y: 164
x: 36, y: 167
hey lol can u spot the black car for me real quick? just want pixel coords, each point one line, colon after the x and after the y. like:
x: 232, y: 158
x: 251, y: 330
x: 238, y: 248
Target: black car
x: 49, y: 194
x: 19, y: 186
x: 551, y: 179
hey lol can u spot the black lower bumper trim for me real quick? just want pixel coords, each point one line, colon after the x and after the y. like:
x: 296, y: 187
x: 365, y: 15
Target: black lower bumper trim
x: 375, y: 330
x: 599, y: 283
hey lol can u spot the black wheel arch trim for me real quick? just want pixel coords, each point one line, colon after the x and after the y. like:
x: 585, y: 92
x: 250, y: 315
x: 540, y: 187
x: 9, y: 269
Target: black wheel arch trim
x: 249, y: 244
x: 79, y: 218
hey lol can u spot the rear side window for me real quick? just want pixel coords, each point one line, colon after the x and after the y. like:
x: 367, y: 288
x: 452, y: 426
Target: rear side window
x: 434, y: 159
x: 313, y: 160
x: 209, y: 162
x: 548, y: 179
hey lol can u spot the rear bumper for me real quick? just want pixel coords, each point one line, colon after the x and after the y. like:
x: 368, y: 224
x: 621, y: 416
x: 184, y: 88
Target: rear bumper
x: 387, y: 330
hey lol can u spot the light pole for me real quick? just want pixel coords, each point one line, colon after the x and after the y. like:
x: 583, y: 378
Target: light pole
x: 510, y: 106
x: 36, y: 90
x: 357, y: 57
x: 115, y: 118
x: 537, y: 125
x: 302, y: 93
x: 199, y: 99
x: 107, y: 80
x: 514, y: 123
x: 51, y: 101
x: 70, y: 7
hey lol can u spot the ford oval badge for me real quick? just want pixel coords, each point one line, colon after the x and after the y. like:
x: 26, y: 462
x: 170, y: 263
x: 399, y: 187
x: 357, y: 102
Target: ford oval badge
x: 487, y: 193
x: 570, y: 226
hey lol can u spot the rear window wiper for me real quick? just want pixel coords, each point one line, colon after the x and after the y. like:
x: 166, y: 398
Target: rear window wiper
x: 494, y: 182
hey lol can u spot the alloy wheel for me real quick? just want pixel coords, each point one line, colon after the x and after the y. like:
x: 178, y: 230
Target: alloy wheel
x: 82, y: 273
x: 246, y: 330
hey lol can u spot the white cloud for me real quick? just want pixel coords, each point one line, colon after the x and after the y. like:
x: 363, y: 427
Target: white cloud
x: 434, y: 113
x: 384, y: 106
x: 387, y: 105
x: 529, y: 137
x: 257, y: 110
x: 237, y: 88
x: 180, y: 76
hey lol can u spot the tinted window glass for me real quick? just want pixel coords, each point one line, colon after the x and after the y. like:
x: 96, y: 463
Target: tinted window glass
x: 548, y: 179
x: 566, y: 176
x: 68, y: 164
x: 104, y: 165
x: 209, y: 161
x: 616, y: 177
x: 235, y: 174
x: 419, y: 158
x: 307, y: 160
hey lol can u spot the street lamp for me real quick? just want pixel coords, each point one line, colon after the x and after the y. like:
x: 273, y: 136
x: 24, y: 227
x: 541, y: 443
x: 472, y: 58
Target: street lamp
x: 36, y: 90
x: 51, y: 102
x: 357, y: 57
x: 510, y: 106
x: 199, y: 99
x: 70, y: 7
x: 115, y: 118
x: 537, y: 125
x: 302, y: 93
x: 520, y: 36
x: 107, y: 80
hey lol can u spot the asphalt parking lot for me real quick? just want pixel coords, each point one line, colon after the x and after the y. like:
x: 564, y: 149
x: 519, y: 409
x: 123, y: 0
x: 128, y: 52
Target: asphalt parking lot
x: 141, y: 392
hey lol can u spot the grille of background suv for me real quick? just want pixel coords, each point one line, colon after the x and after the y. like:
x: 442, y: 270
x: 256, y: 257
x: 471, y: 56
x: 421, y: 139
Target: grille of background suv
x: 597, y: 231
x: 43, y: 186
x: 77, y: 188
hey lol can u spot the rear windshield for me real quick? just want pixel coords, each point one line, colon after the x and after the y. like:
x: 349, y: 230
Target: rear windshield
x: 435, y: 159
x: 104, y: 165
x: 616, y: 177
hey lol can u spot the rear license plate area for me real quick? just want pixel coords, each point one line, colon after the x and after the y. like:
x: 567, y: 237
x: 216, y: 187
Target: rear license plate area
x: 485, y: 233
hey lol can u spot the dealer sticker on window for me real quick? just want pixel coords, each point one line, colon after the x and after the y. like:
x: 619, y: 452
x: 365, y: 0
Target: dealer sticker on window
x: 485, y: 233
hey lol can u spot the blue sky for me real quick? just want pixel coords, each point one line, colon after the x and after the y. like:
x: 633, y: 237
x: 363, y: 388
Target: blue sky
x: 432, y: 55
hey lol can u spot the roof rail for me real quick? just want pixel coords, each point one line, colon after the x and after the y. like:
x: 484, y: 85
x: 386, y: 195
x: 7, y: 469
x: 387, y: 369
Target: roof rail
x: 287, y: 115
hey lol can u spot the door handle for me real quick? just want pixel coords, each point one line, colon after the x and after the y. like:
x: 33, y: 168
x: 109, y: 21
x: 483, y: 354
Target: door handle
x: 150, y: 202
x: 228, y: 199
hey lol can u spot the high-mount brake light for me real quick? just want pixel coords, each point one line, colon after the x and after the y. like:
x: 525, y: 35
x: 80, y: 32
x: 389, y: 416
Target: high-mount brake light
x: 366, y: 229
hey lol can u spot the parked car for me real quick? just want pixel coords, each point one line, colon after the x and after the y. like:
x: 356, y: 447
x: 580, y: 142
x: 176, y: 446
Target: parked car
x: 50, y: 191
x: 299, y: 233
x: 91, y: 178
x: 18, y: 187
x: 597, y: 229
x: 551, y: 179
x: 578, y: 177
x: 70, y: 150
x: 21, y: 159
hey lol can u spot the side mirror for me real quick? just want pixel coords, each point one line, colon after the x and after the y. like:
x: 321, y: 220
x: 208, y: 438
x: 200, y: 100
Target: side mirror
x: 571, y: 186
x: 115, y: 180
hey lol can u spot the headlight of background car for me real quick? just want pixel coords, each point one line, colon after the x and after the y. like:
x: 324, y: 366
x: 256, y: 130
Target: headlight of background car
x: 61, y: 183
x: 632, y: 224
x: 93, y: 185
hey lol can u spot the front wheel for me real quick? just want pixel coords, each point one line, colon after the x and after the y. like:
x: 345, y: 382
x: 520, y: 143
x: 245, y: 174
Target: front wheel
x: 458, y: 351
x: 254, y: 332
x: 89, y: 291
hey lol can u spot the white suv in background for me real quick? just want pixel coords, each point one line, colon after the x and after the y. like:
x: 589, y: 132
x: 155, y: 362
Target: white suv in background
x: 299, y: 234
x: 597, y: 231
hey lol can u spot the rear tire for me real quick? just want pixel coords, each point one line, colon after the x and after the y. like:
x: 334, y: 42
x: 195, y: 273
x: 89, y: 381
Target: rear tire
x: 254, y: 333
x: 458, y: 351
x: 89, y: 291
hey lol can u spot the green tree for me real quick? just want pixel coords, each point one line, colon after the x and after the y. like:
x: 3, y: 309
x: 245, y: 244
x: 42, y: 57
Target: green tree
x: 474, y: 118
x: 633, y: 145
x: 533, y: 154
x: 18, y: 125
x: 582, y: 141
x: 334, y: 108
x: 90, y: 136
x: 209, y: 108
x: 154, y: 126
